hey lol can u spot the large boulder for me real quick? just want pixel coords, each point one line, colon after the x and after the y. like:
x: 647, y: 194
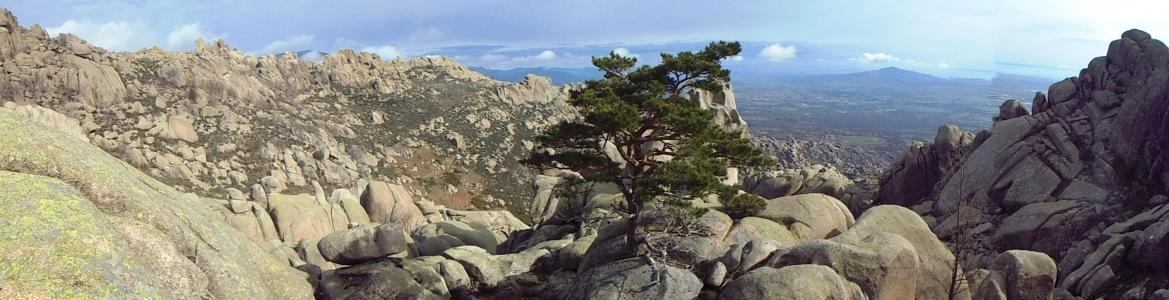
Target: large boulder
x: 351, y: 205
x: 391, y: 204
x: 299, y: 217
x: 491, y: 270
x: 182, y: 128
x: 884, y: 265
x: 1043, y: 226
x: 987, y: 285
x: 379, y: 280
x: 752, y: 228
x: 267, y: 226
x: 936, y: 262
x: 635, y: 279
x: 702, y: 242
x: 573, y: 254
x: 500, y: 221
x: 713, y: 223
x: 1011, y: 109
x: 434, y: 238
x: 743, y: 257
x: 363, y: 243
x: 454, y: 275
x: 809, y: 216
x: 427, y: 270
x: 310, y: 250
x: 791, y: 282
x: 545, y: 204
x: 79, y: 223
x: 1027, y: 274
x: 1098, y: 271
x: 239, y: 215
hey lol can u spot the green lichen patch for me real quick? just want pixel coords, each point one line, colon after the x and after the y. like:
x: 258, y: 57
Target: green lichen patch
x: 56, y: 244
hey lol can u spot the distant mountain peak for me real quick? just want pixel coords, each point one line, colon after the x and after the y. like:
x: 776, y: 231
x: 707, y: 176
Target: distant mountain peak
x: 893, y: 74
x: 895, y: 70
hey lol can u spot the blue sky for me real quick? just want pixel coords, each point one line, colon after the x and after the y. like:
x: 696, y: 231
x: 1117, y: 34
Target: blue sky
x: 947, y: 38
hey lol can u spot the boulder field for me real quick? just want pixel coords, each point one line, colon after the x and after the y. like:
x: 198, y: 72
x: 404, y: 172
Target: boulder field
x: 215, y: 174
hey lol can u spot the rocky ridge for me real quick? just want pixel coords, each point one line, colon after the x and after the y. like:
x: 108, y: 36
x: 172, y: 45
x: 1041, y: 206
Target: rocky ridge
x: 1081, y: 177
x: 218, y: 122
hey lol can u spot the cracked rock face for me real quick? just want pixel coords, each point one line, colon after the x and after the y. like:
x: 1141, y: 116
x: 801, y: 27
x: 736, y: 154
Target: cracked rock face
x: 1060, y: 180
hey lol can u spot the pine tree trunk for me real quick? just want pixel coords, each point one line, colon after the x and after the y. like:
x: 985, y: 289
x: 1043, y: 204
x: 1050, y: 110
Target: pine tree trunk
x: 633, y: 237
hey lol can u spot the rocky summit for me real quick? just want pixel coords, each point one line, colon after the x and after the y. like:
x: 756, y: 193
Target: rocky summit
x: 216, y: 174
x: 1080, y: 177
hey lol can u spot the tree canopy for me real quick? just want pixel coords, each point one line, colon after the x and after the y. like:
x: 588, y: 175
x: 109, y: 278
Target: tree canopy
x: 638, y: 129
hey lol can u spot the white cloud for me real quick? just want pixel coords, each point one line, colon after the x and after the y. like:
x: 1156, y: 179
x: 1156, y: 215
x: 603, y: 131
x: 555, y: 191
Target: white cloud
x: 625, y: 53
x: 871, y: 57
x: 385, y: 52
x: 117, y: 36
x: 776, y: 52
x: 943, y: 66
x: 736, y: 58
x: 184, y: 37
x: 546, y: 55
x: 291, y: 44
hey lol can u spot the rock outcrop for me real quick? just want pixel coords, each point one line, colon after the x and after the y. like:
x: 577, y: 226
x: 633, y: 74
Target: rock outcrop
x: 1080, y: 178
x: 921, y: 167
x: 722, y: 105
x: 79, y: 223
x: 792, y: 282
x: 1017, y: 274
x: 635, y: 279
x: 363, y: 243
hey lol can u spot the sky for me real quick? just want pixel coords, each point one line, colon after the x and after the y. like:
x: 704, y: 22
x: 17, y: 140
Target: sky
x: 957, y: 39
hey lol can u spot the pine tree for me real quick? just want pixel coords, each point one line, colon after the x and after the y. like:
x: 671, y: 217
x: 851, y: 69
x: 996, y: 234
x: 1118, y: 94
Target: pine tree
x: 669, y: 148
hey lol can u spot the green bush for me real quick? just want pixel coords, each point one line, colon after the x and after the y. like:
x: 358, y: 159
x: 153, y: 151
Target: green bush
x: 744, y: 205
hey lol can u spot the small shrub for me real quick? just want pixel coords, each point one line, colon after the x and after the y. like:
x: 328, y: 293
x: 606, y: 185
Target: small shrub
x: 452, y: 179
x: 744, y: 205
